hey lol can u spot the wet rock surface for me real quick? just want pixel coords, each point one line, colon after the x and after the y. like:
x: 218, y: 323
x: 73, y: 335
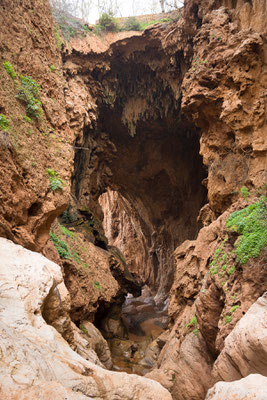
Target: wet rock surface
x: 145, y: 331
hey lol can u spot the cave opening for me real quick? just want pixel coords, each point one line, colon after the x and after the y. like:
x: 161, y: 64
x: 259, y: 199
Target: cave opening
x: 154, y: 195
x: 149, y: 194
x: 138, y: 168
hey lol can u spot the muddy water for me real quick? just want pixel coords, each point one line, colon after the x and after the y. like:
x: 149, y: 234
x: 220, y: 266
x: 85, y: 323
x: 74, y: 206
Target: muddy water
x: 144, y: 321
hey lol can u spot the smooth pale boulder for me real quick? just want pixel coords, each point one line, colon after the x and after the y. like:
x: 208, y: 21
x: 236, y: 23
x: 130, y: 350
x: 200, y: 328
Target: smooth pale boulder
x: 245, y: 350
x: 252, y: 387
x: 36, y: 362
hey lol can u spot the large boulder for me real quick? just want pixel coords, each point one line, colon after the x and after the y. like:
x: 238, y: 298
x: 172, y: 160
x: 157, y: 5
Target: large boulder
x: 245, y: 350
x: 35, y: 359
x: 186, y: 368
x: 252, y: 387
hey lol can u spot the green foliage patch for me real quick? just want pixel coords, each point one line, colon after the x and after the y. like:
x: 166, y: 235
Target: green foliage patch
x: 132, y: 24
x: 4, y: 123
x: 251, y: 224
x: 233, y: 309
x: 29, y: 93
x: 27, y: 119
x: 77, y: 258
x: 67, y: 217
x: 97, y: 285
x: 193, y: 322
x: 58, y: 37
x: 82, y: 328
x: 9, y: 69
x: 55, y: 181
x: 61, y: 246
x: 145, y: 25
x: 244, y: 192
x: 108, y: 23
x: 66, y: 231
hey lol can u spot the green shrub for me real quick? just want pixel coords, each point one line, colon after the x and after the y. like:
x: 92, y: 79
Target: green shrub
x: 52, y: 68
x: 67, y: 217
x: 233, y: 309
x: 214, y: 270
x: 145, y: 25
x: 108, y: 23
x: 9, y: 69
x: 27, y: 119
x: 244, y: 192
x: 86, y: 29
x: 77, y: 258
x: 227, y: 319
x: 231, y: 270
x: 82, y: 328
x: 96, y: 285
x: 193, y: 322
x: 4, y: 123
x: 66, y: 231
x: 61, y: 246
x: 71, y: 31
x: 132, y: 24
x: 251, y: 224
x: 58, y: 38
x: 55, y: 181
x: 29, y: 93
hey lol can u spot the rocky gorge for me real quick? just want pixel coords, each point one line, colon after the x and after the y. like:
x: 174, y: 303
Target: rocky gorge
x: 133, y: 210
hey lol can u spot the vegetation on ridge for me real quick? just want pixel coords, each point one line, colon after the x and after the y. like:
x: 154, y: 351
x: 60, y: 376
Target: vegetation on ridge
x: 4, y: 123
x: 251, y: 224
x: 29, y: 93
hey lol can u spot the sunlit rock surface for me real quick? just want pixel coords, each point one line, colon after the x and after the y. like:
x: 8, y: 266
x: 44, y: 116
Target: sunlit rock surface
x: 252, y: 387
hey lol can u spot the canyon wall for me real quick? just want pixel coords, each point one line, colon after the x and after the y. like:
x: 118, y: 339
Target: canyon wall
x: 28, y: 148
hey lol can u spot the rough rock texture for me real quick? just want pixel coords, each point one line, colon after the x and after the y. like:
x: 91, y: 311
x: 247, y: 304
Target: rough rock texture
x: 252, y: 387
x: 180, y: 366
x: 225, y: 86
x: 35, y: 356
x: 89, y: 337
x: 136, y: 125
x: 124, y: 230
x: 245, y: 348
x: 202, y: 301
x: 27, y: 205
x: 95, y: 277
x: 153, y: 96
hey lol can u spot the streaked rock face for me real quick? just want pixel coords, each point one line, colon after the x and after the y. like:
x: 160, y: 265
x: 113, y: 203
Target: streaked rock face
x: 252, y: 387
x: 36, y: 360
